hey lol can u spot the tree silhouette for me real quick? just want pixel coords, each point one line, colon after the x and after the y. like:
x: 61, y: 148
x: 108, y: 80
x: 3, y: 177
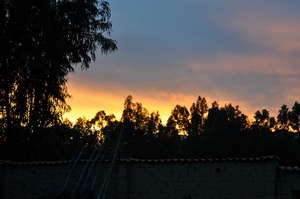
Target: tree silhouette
x: 222, y: 131
x: 135, y: 119
x: 263, y: 123
x: 283, y: 118
x: 180, y: 119
x: 41, y: 41
x: 294, y: 117
x: 262, y: 118
x: 154, y: 123
x: 198, y: 111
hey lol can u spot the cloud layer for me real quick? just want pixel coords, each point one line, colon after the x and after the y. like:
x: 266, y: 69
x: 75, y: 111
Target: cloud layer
x: 244, y: 52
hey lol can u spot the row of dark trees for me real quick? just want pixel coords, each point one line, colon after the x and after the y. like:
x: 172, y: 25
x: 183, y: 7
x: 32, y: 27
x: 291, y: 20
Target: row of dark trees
x: 204, y: 131
x: 200, y: 131
x: 42, y: 41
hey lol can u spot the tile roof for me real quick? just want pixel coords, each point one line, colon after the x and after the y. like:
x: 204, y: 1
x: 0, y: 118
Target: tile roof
x: 289, y: 168
x: 134, y: 160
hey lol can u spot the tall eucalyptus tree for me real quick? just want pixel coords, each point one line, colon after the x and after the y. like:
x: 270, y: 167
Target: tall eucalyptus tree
x: 40, y: 42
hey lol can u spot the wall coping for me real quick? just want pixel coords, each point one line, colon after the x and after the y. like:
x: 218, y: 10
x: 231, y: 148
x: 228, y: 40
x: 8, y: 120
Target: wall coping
x: 135, y: 160
x: 289, y: 168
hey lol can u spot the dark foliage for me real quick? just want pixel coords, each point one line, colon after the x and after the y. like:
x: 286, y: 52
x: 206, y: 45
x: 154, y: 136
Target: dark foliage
x: 202, y: 132
x: 41, y: 41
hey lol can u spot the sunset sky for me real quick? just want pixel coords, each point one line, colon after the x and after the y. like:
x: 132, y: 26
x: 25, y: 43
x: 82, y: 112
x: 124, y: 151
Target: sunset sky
x: 246, y: 52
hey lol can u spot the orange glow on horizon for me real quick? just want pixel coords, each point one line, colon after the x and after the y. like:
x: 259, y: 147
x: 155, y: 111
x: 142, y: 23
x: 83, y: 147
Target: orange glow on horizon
x: 86, y: 102
x: 271, y: 63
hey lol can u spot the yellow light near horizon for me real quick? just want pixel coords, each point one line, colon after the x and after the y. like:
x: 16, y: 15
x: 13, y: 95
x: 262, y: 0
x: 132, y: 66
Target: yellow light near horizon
x: 89, y: 114
x: 86, y: 102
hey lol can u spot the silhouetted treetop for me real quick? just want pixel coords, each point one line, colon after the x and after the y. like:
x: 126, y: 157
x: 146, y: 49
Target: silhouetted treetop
x: 204, y: 131
x: 198, y: 112
x: 40, y: 43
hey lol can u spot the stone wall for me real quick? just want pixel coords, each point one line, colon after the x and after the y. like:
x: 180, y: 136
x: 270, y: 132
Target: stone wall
x: 288, y: 183
x: 40, y: 181
x: 205, y: 181
x: 152, y: 180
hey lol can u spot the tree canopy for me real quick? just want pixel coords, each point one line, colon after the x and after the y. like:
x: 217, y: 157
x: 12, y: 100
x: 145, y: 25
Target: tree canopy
x: 41, y: 42
x: 202, y: 130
